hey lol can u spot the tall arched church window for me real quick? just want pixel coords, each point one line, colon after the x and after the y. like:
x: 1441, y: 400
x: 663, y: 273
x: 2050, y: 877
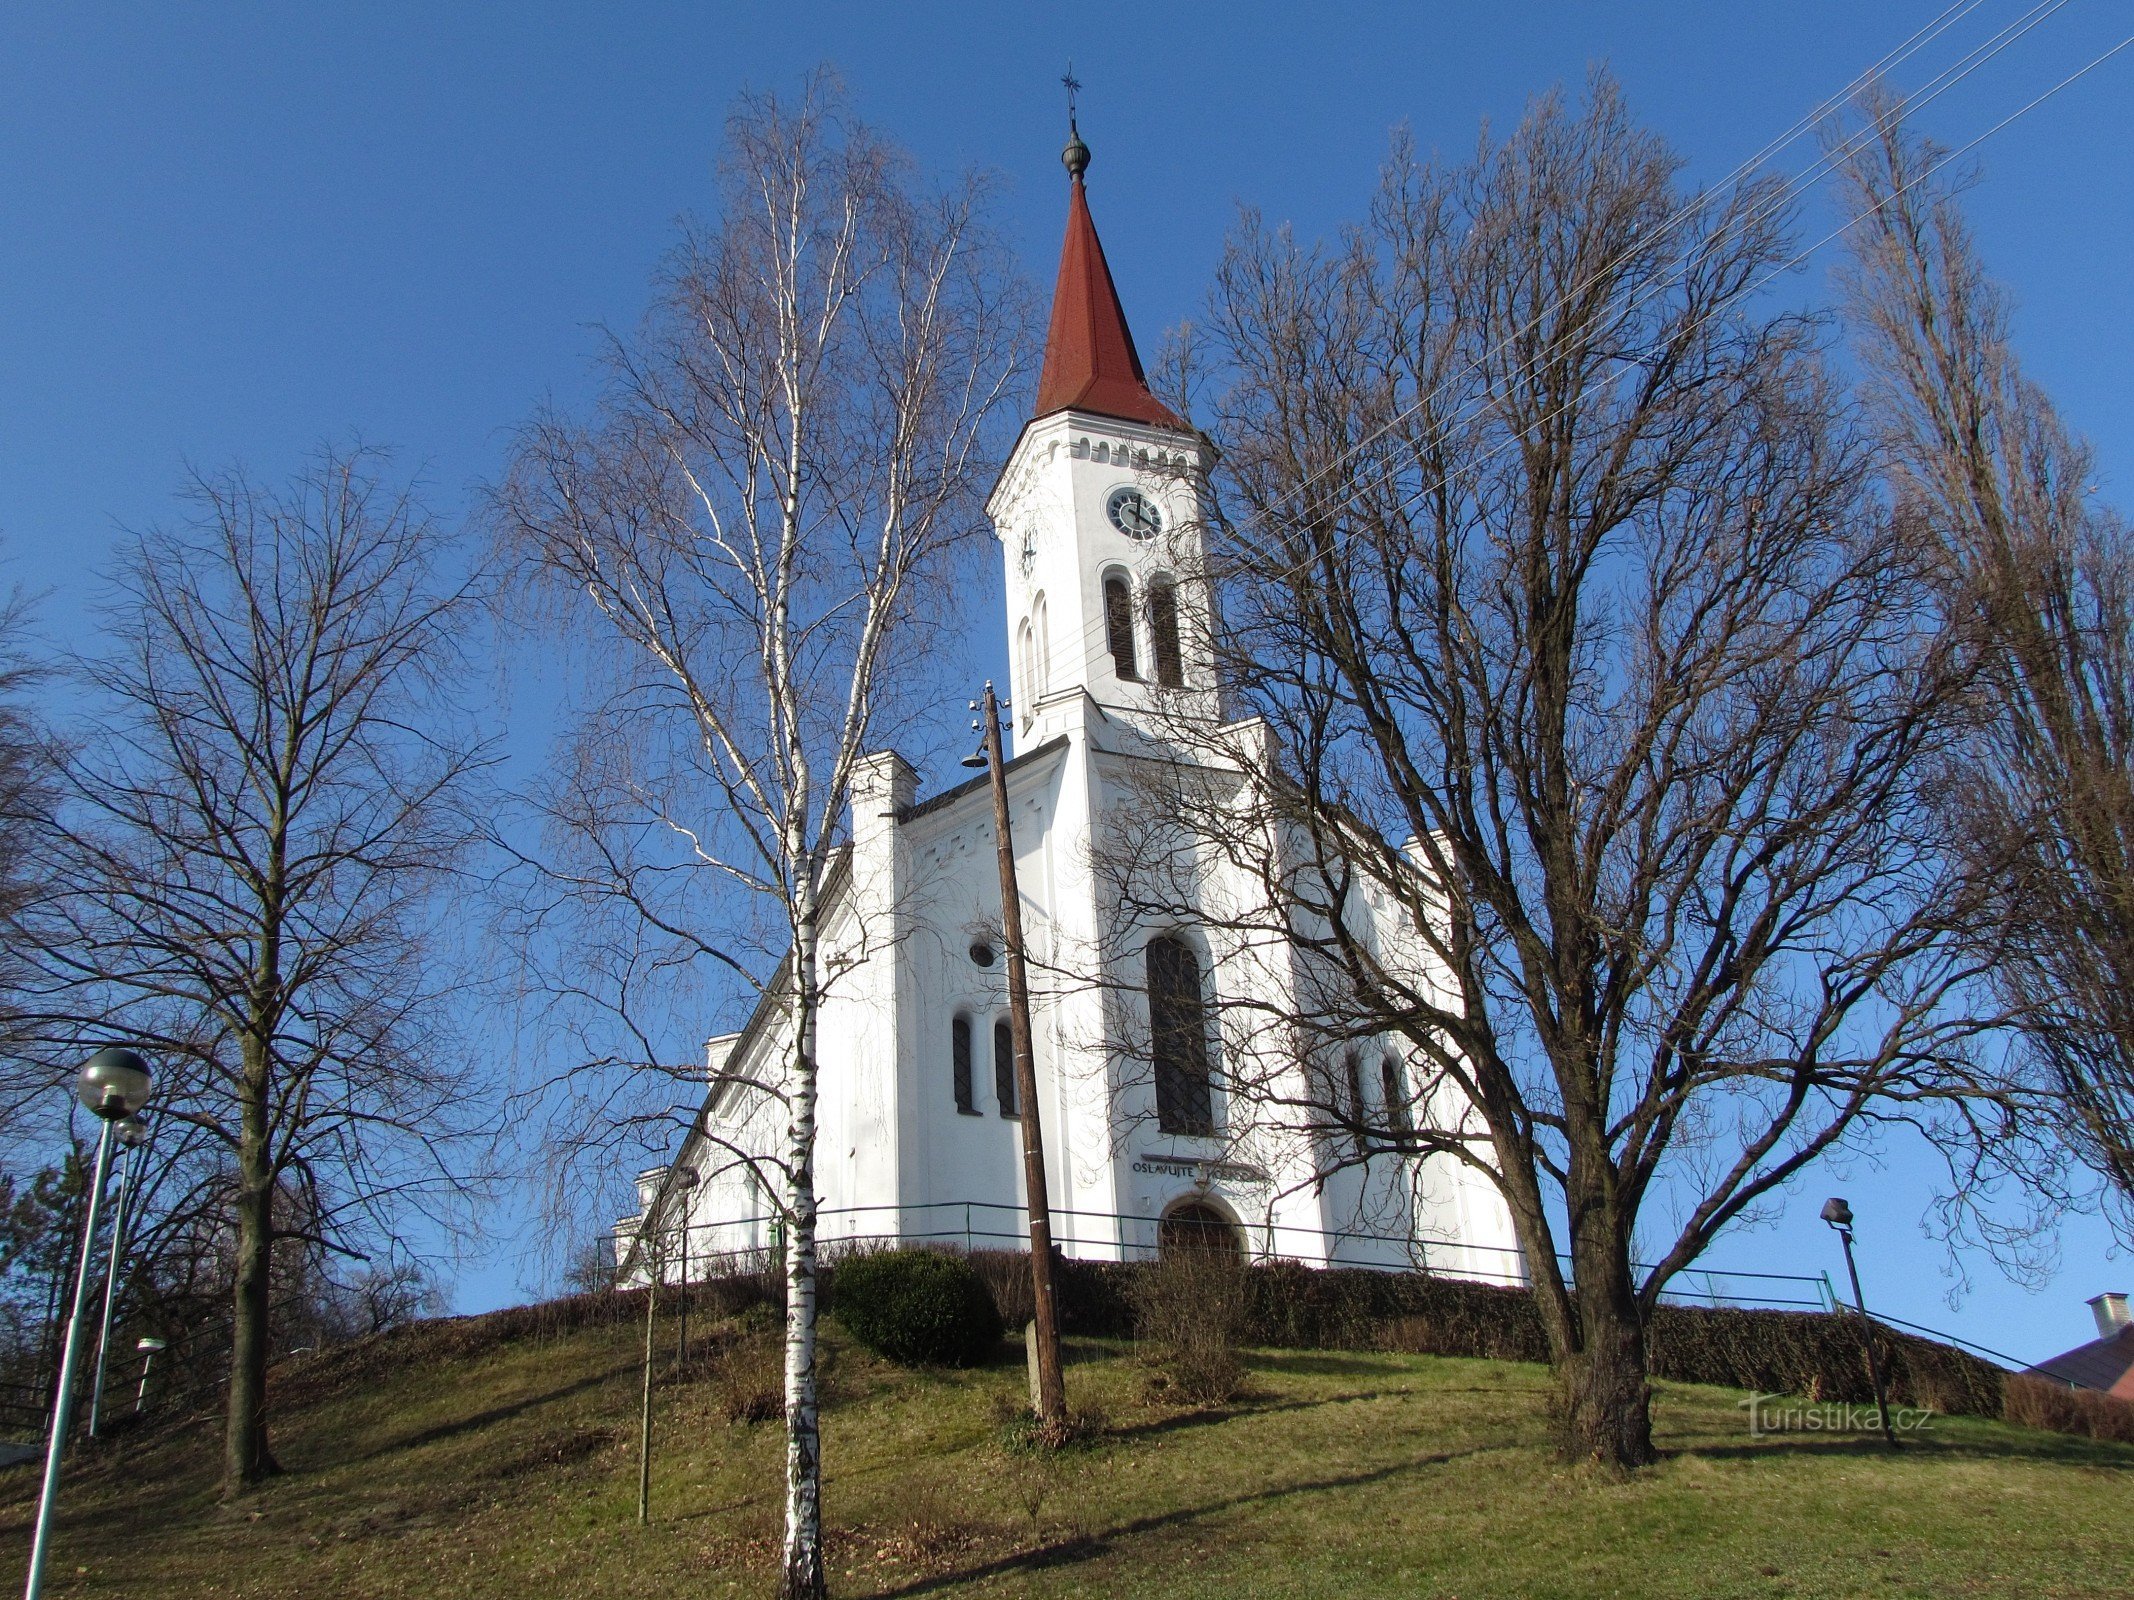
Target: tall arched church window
x: 1178, y: 1039
x: 1004, y: 1066
x: 1398, y: 1117
x: 959, y: 1038
x: 1355, y: 1111
x: 1163, y: 634
x: 1026, y: 665
x: 1119, y: 626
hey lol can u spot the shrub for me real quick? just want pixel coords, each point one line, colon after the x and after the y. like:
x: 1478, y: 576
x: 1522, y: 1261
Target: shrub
x: 917, y: 1307
x: 748, y: 1377
x: 1190, y: 1306
x: 2038, y: 1403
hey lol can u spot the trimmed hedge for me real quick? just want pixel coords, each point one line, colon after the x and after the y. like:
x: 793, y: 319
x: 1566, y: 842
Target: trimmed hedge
x: 1298, y: 1307
x: 919, y: 1307
x: 1294, y: 1306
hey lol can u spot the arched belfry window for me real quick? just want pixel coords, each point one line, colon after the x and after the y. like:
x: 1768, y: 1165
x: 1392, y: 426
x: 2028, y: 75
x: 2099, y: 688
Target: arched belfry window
x: 1178, y: 1038
x: 1119, y: 626
x: 1163, y: 634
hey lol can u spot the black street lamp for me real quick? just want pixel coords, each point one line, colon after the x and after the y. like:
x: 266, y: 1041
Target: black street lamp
x: 114, y: 1084
x: 1839, y: 1215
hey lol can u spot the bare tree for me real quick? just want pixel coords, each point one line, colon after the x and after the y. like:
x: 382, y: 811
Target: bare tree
x: 24, y: 801
x: 1583, y: 697
x: 243, y: 866
x: 2034, y: 574
x: 753, y: 531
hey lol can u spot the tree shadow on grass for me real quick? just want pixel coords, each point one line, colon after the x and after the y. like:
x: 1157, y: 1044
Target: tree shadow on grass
x: 1243, y: 1407
x: 1088, y: 1547
x: 1317, y: 1363
x: 2056, y: 1449
x: 479, y: 1420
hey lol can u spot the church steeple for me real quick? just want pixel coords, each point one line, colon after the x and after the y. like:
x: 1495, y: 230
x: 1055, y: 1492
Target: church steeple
x: 1090, y: 360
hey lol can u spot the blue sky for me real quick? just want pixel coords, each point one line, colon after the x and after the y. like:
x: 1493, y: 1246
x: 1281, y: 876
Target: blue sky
x: 227, y: 233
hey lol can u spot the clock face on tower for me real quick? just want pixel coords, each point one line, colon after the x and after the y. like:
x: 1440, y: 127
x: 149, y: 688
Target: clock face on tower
x: 1133, y: 513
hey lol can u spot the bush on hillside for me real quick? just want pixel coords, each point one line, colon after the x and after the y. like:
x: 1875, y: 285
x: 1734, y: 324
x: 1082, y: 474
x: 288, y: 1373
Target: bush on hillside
x: 748, y: 1375
x: 2054, y: 1407
x: 1190, y: 1306
x: 917, y: 1307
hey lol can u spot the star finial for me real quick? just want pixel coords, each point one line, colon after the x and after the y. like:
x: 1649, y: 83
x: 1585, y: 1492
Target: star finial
x: 1076, y: 155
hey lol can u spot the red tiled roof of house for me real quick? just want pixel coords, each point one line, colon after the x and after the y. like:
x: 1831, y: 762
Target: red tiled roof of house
x: 2106, y: 1365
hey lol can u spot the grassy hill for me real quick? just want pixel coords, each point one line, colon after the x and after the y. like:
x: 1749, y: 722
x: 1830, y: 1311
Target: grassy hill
x: 441, y: 1462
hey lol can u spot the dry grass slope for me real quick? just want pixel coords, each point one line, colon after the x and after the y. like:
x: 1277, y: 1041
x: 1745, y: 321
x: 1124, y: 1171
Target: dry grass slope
x: 498, y: 1460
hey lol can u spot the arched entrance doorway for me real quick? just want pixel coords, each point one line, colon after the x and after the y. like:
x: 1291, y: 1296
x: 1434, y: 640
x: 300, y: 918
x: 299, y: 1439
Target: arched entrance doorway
x: 1200, y: 1225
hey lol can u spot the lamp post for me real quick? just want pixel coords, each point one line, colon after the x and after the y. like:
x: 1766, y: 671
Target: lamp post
x: 149, y: 1347
x: 1839, y: 1215
x: 114, y: 1084
x: 684, y: 1182
x: 650, y: 1250
x: 1051, y: 1383
x: 133, y: 1138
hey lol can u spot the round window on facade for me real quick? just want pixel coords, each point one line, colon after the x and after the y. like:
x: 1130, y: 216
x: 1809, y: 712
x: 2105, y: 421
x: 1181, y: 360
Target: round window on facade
x: 982, y: 953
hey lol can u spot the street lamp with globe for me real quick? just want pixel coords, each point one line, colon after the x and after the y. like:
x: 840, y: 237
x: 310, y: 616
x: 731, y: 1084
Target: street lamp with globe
x: 114, y: 1084
x: 132, y: 1135
x: 1839, y: 1215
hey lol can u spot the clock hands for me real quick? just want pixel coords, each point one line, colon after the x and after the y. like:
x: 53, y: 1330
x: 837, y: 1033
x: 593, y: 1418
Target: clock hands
x: 1134, y: 514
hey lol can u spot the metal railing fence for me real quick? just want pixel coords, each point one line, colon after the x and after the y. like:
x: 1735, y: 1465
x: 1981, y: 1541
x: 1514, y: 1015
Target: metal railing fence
x: 1135, y: 1236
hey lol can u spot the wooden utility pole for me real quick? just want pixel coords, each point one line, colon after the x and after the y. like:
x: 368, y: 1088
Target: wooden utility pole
x: 1045, y: 1325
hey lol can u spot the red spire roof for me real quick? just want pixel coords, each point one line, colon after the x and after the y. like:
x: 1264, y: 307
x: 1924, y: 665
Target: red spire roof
x: 1090, y: 360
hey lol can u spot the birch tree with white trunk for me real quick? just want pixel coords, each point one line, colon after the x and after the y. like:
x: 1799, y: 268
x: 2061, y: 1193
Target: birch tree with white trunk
x: 754, y: 530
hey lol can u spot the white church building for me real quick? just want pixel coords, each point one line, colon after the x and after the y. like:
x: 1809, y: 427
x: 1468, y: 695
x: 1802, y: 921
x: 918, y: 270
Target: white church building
x: 919, y: 1141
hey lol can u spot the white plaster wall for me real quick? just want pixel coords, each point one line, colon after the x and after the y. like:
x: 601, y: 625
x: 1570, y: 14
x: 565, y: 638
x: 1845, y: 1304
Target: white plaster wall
x: 897, y: 941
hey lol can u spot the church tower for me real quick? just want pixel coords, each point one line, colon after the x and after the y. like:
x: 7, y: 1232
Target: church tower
x: 1098, y: 513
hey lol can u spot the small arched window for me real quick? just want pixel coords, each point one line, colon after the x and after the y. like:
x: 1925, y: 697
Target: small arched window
x: 1119, y: 626
x: 1163, y: 634
x: 1004, y: 1066
x: 1178, y: 1039
x: 959, y: 1039
x: 1355, y: 1111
